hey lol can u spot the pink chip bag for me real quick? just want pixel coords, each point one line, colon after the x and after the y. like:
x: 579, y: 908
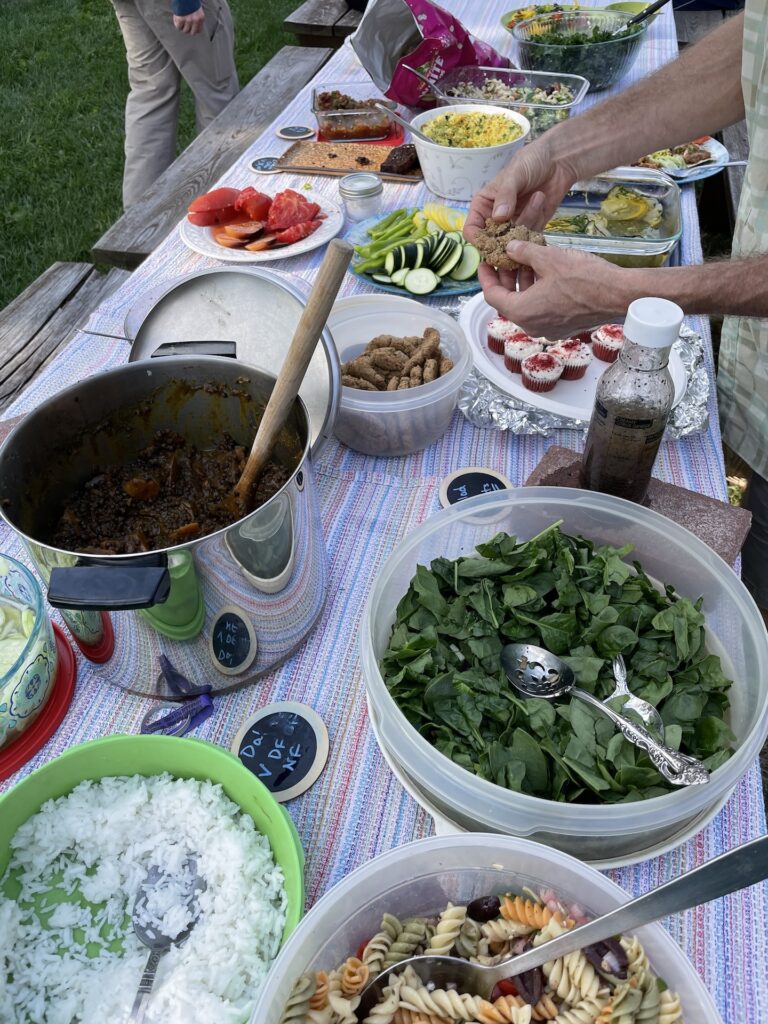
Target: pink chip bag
x: 396, y: 34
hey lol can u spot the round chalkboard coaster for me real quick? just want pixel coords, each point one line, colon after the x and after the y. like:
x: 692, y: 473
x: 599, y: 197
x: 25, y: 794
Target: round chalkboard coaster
x: 232, y: 640
x: 469, y: 482
x: 265, y: 164
x: 285, y: 746
x: 295, y: 131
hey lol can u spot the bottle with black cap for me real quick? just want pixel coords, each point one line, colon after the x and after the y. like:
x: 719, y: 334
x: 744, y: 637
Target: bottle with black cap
x: 632, y: 404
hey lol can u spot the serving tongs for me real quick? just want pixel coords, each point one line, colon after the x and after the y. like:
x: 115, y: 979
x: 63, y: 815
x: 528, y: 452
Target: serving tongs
x: 636, y: 19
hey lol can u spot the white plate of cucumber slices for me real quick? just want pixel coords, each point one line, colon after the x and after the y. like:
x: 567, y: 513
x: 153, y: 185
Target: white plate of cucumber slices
x: 403, y: 257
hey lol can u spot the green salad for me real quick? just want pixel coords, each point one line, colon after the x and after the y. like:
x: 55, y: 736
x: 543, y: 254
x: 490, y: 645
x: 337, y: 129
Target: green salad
x: 585, y: 604
x: 574, y: 38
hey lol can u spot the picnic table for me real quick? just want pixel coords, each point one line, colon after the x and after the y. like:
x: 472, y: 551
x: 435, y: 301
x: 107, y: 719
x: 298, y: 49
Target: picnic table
x: 358, y: 809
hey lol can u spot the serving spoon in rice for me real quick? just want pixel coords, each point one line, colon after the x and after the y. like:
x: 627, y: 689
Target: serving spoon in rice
x: 147, y: 926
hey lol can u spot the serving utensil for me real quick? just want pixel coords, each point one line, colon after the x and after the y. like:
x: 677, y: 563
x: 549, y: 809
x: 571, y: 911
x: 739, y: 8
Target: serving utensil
x: 737, y: 869
x: 685, y: 172
x: 641, y: 16
x: 405, y: 124
x: 537, y: 672
x: 155, y: 940
x: 418, y: 74
x: 308, y: 330
x: 643, y: 708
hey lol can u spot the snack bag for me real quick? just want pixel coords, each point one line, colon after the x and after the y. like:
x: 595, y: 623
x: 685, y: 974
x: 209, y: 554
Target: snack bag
x: 416, y: 33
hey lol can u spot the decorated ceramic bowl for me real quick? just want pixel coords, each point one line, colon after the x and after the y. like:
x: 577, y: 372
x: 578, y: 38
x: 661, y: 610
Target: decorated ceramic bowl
x: 28, y: 659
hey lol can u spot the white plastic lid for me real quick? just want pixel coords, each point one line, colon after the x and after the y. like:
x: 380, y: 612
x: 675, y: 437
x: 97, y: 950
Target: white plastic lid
x: 653, y: 323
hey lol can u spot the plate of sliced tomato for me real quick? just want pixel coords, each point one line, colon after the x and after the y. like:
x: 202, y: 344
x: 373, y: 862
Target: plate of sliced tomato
x: 249, y: 226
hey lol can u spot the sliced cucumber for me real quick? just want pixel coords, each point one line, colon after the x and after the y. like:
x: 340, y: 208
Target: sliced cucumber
x: 399, y: 276
x: 421, y: 281
x: 456, y: 236
x: 467, y: 266
x: 443, y: 250
x: 389, y: 262
x: 451, y: 260
x: 413, y: 255
x: 383, y: 278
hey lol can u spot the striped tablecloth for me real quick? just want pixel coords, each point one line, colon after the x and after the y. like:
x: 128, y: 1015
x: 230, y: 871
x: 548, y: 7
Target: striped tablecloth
x: 357, y: 809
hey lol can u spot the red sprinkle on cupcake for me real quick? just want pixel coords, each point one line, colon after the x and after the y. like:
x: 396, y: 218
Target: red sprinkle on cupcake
x: 499, y: 330
x: 518, y: 346
x: 541, y: 371
x: 607, y: 342
x: 576, y: 357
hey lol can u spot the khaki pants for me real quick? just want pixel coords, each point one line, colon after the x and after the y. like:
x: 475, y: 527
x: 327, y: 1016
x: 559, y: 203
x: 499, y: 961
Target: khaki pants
x: 158, y: 57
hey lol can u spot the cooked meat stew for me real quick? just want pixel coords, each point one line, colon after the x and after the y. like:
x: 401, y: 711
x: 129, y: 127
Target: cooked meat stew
x: 170, y: 493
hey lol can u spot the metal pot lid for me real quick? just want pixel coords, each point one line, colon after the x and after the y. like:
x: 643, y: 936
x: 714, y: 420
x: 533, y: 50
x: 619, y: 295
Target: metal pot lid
x: 258, y: 310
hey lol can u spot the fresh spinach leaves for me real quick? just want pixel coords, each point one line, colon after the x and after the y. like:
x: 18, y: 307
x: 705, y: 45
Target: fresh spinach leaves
x: 584, y: 603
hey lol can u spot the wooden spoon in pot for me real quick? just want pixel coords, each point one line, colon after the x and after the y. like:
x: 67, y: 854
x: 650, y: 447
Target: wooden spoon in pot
x: 303, y: 344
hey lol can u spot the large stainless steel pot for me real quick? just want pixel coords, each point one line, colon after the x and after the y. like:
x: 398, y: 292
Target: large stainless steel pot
x: 272, y: 563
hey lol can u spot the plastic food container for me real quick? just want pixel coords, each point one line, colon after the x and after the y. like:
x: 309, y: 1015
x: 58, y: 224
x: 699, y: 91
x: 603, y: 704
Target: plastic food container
x: 455, y: 173
x: 668, y: 553
x: 453, y: 88
x: 28, y: 658
x: 365, y: 124
x: 586, y: 196
x: 602, y: 64
x: 152, y: 755
x: 396, y: 422
x: 420, y: 878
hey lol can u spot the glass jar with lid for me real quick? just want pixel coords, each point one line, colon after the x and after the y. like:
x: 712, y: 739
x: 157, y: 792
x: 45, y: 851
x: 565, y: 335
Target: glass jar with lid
x: 362, y: 193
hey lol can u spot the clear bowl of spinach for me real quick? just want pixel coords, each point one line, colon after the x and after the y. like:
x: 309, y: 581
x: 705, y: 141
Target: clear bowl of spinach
x: 580, y: 43
x: 455, y: 590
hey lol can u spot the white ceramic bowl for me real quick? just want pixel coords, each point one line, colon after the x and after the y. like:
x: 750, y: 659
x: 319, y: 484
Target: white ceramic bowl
x: 421, y: 877
x: 460, y: 173
x: 396, y: 422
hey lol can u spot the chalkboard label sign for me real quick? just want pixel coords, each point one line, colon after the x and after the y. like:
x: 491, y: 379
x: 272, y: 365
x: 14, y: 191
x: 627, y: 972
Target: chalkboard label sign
x: 285, y: 746
x: 468, y: 483
x: 265, y: 164
x: 232, y: 641
x: 295, y: 131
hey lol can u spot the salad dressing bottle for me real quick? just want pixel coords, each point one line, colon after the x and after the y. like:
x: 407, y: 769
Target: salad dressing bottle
x: 632, y: 404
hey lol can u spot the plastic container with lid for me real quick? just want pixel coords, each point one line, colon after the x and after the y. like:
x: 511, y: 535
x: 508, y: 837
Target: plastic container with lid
x: 420, y: 878
x: 668, y: 553
x: 460, y: 85
x: 624, y: 250
x: 396, y: 422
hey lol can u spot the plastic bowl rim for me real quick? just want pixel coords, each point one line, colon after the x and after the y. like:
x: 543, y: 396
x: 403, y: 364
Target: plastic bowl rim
x: 600, y: 14
x: 41, y: 615
x: 729, y: 773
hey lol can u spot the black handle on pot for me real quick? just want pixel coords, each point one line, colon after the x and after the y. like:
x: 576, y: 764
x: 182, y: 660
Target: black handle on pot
x: 110, y: 586
x: 196, y: 348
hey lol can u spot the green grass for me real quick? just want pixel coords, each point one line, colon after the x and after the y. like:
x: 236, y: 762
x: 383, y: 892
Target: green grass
x: 63, y: 84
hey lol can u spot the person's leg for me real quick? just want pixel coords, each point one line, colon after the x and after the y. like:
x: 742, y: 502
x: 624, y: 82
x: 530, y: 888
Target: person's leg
x: 151, y: 110
x: 754, y: 555
x: 206, y: 60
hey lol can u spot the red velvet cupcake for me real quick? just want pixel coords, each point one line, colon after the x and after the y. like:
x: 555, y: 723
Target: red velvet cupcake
x: 499, y: 329
x: 517, y: 347
x: 607, y: 342
x: 541, y: 371
x: 576, y: 357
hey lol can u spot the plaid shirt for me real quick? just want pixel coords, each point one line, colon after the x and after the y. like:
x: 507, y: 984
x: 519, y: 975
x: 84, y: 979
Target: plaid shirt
x: 743, y: 367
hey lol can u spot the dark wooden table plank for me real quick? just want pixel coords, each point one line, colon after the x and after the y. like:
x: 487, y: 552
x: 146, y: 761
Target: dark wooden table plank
x: 313, y: 23
x: 31, y: 342
x: 348, y: 24
x: 145, y: 225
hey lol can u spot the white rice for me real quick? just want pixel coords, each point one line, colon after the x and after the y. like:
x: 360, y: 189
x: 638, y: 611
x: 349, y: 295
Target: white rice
x: 99, y: 843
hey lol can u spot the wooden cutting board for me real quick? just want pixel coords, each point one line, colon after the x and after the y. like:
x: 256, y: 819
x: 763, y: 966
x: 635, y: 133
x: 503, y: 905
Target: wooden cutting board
x: 338, y: 158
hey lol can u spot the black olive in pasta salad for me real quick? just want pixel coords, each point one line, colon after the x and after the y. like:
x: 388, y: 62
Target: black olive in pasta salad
x: 607, y: 983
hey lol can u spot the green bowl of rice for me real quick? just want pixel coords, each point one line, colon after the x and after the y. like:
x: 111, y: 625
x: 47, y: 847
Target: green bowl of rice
x: 77, y: 837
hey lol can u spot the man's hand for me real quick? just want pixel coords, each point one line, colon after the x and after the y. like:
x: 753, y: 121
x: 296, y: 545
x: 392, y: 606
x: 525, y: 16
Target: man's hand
x: 572, y: 290
x: 190, y: 24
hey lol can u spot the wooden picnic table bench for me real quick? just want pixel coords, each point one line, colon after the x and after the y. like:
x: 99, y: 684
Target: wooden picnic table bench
x: 142, y: 227
x: 41, y: 321
x: 322, y: 23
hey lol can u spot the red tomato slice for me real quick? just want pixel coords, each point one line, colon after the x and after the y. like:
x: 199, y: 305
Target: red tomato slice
x: 289, y: 208
x: 296, y: 232
x: 216, y: 207
x: 503, y: 988
x: 253, y: 203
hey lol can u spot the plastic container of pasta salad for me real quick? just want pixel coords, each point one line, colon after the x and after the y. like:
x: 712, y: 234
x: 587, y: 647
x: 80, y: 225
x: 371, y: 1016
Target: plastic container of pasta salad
x: 422, y: 877
x: 608, y: 833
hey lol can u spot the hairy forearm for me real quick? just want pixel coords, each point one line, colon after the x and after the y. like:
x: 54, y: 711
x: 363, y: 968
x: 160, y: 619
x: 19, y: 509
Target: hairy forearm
x: 737, y: 288
x: 697, y: 94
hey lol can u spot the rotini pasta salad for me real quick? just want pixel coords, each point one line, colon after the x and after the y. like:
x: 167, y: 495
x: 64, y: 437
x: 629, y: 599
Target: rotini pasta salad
x: 607, y: 983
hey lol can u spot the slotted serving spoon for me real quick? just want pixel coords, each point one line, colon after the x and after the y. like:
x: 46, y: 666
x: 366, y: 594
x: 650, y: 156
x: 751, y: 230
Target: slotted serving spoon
x: 739, y: 868
x: 308, y: 330
x: 536, y: 672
